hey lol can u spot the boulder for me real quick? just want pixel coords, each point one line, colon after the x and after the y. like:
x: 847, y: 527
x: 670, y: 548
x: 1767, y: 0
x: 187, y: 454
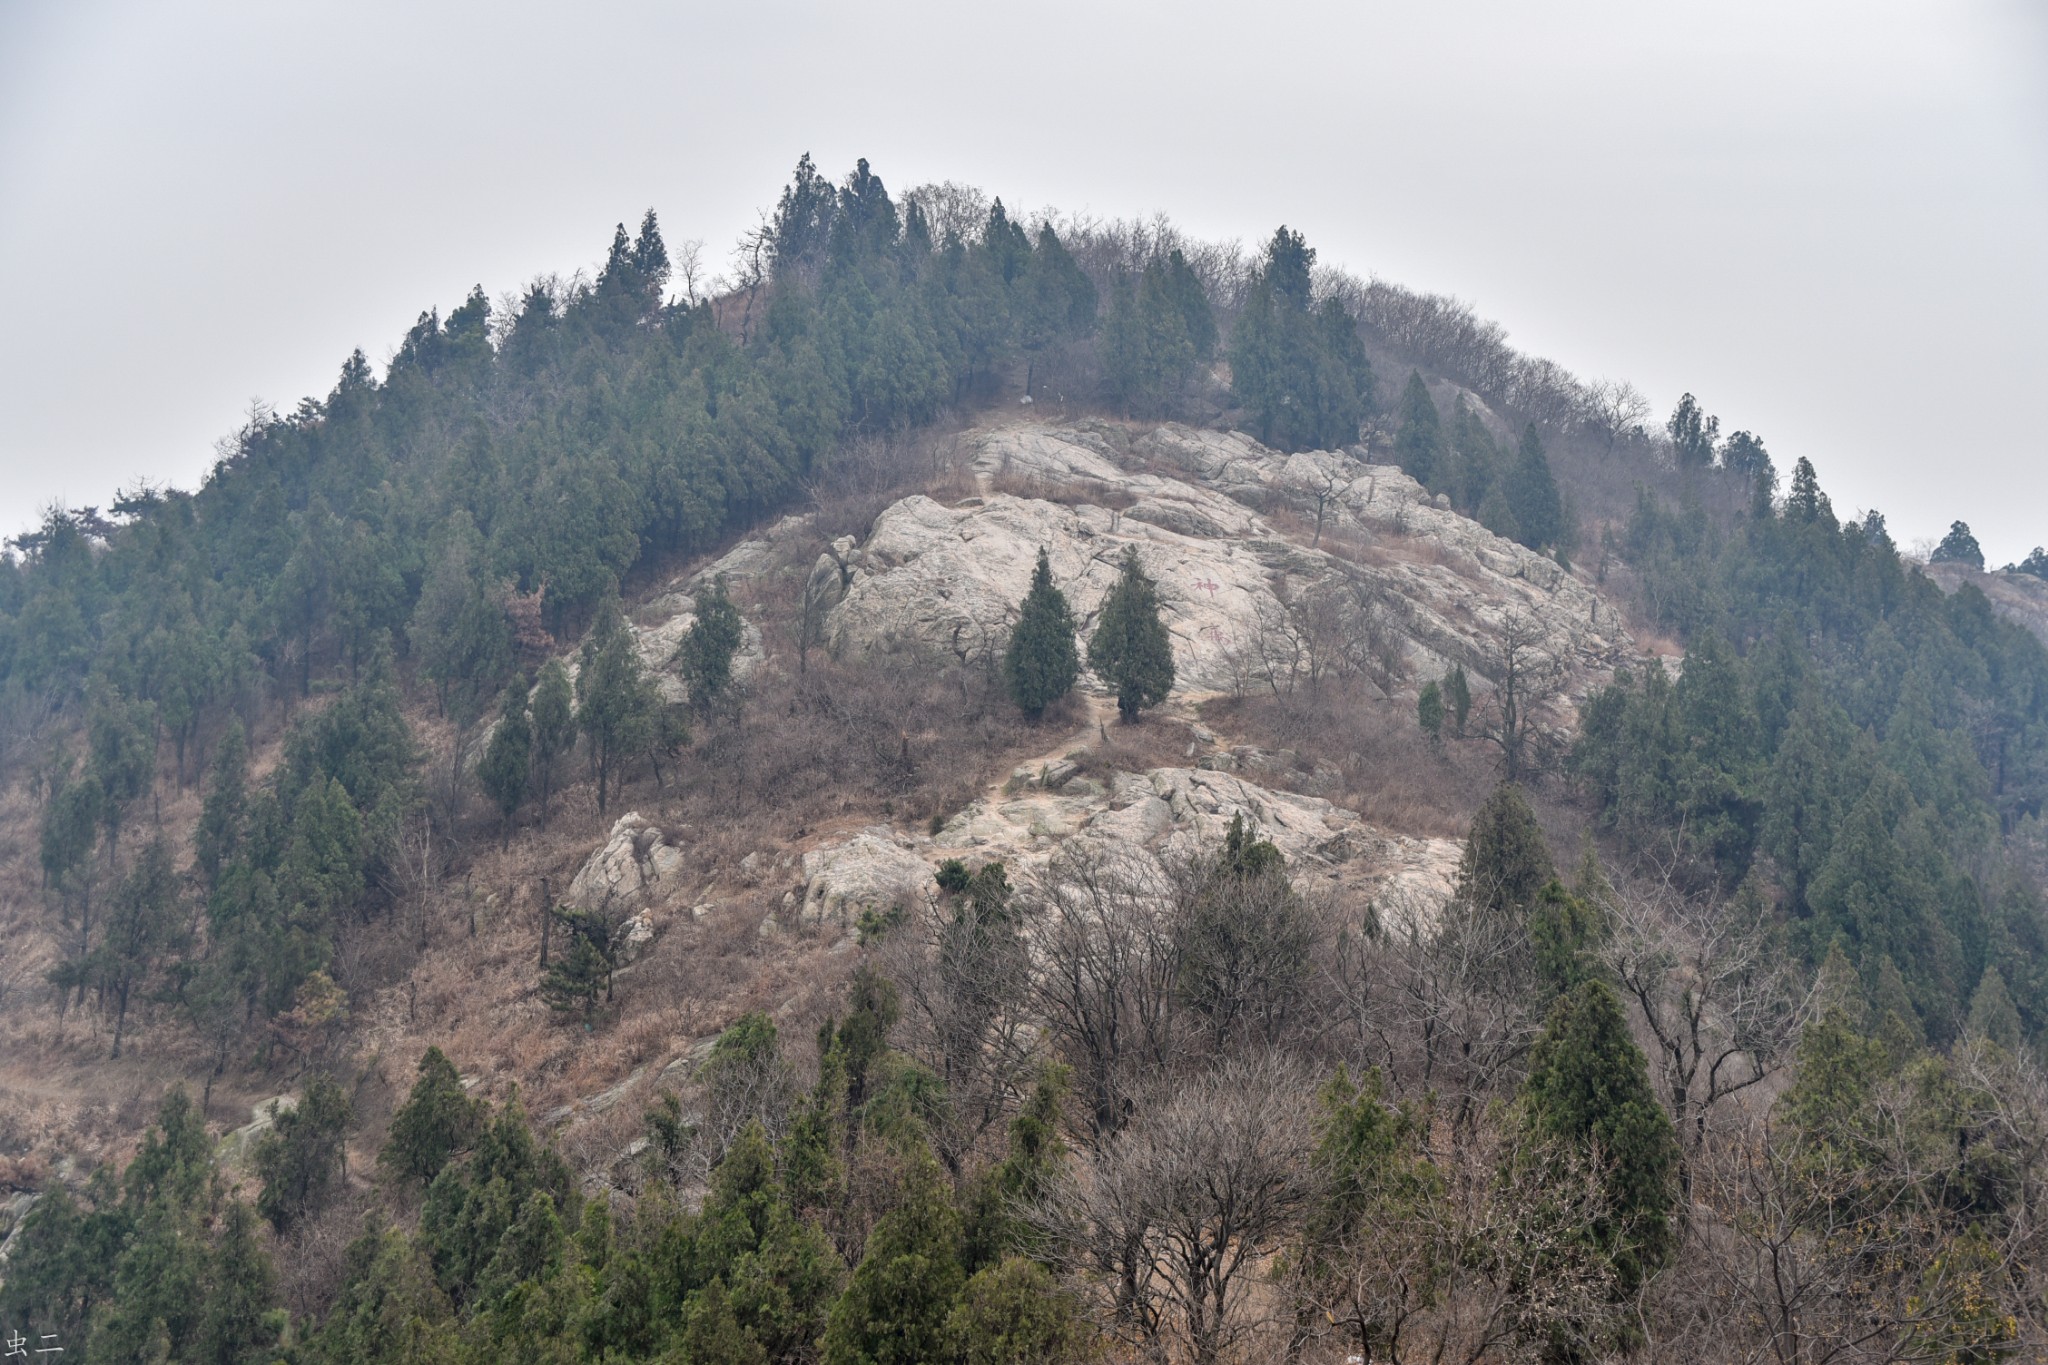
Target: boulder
x: 637, y: 868
x: 874, y: 869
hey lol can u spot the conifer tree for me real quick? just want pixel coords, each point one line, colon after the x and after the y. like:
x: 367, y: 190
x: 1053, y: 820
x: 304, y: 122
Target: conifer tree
x: 1589, y: 1086
x: 1475, y: 459
x: 1419, y: 445
x: 895, y: 1310
x: 240, y: 1320
x: 1993, y: 1017
x: 1041, y: 661
x: 507, y: 761
x: 220, y: 816
x: 708, y: 648
x: 299, y: 1159
x: 1131, y: 650
x: 554, y: 727
x: 1533, y: 498
x: 1191, y: 301
x: 1429, y: 713
x: 436, y: 1121
x: 1507, y: 863
x: 1958, y: 547
x: 1692, y: 433
x: 144, y: 923
x: 1457, y: 698
x: 615, y: 701
x: 1015, y: 1313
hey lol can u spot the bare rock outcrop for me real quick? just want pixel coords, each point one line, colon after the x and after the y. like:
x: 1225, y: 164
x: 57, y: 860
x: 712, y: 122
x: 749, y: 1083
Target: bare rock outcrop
x: 636, y: 868
x: 1202, y: 508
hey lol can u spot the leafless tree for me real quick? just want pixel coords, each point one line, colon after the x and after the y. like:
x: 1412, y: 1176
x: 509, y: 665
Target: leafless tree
x: 963, y: 974
x: 1104, y: 978
x: 1721, y: 1008
x: 1243, y: 943
x: 1527, y: 676
x: 1174, y: 1220
x: 689, y: 268
x: 1618, y: 411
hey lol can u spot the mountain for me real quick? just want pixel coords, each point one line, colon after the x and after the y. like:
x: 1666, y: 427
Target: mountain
x: 1010, y: 791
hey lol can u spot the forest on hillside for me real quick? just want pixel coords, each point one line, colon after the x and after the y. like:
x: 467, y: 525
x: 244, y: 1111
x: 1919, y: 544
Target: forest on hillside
x: 1751, y: 1072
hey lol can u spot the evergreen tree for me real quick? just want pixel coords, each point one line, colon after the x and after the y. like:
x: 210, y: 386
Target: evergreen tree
x: 219, y: 834
x: 2035, y: 563
x: 122, y: 742
x: 1507, y: 863
x: 1015, y: 1313
x: 707, y: 649
x: 1533, y: 498
x: 582, y: 971
x: 554, y: 726
x: 1589, y: 1086
x: 1419, y: 446
x: 1184, y: 289
x: 1495, y: 514
x: 1476, y: 460
x: 145, y: 923
x: 240, y: 1320
x: 615, y: 700
x: 1429, y: 713
x: 1300, y: 371
x: 1041, y: 662
x: 300, y: 1158
x: 1958, y: 547
x: 1993, y: 1016
x: 507, y: 760
x: 436, y: 1121
x: 1131, y: 650
x: 1457, y: 698
x: 1692, y: 434
x: 897, y: 1307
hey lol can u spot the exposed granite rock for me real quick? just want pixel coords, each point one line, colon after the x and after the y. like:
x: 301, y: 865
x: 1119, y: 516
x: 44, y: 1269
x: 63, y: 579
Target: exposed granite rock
x: 636, y: 869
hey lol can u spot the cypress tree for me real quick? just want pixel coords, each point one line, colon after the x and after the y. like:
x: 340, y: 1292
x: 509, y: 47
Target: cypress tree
x: 1533, y: 498
x: 1958, y: 547
x: 1993, y: 1016
x: 615, y: 700
x: 896, y: 1307
x: 1419, y: 446
x: 300, y: 1158
x: 1457, y: 698
x: 1589, y: 1085
x: 1131, y: 650
x: 436, y: 1121
x: 707, y: 649
x: 1429, y: 713
x: 1041, y: 662
x: 220, y: 815
x: 554, y: 726
x: 1507, y: 863
x: 507, y: 759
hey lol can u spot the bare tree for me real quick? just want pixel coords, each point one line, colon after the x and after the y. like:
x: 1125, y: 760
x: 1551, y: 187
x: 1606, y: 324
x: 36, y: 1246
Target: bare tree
x: 1526, y: 678
x: 1721, y: 1007
x: 962, y: 970
x: 688, y: 266
x: 1105, y: 974
x: 1175, y: 1219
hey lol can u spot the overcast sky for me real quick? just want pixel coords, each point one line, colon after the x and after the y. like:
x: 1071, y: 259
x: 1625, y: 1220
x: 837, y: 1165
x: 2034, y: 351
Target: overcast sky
x: 1829, y: 221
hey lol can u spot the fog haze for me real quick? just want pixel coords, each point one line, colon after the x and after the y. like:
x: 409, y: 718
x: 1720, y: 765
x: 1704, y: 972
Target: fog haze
x: 1827, y: 221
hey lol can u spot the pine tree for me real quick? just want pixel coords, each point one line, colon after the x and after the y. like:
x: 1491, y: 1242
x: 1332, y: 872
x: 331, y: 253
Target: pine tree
x: 1429, y: 713
x: 582, y: 970
x: 1993, y: 1016
x: 240, y: 1320
x: 1015, y: 1313
x: 507, y: 762
x: 300, y: 1158
x: 1507, y: 863
x: 554, y: 727
x: 1131, y: 650
x: 436, y: 1121
x: 1533, y: 498
x: 1419, y: 446
x: 708, y: 648
x: 1477, y: 460
x: 615, y: 700
x: 896, y: 1308
x: 1958, y: 547
x: 145, y: 922
x: 1041, y: 662
x: 1692, y: 434
x: 1457, y: 698
x: 1589, y: 1086
x: 219, y: 833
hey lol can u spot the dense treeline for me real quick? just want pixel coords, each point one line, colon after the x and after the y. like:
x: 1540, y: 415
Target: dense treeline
x: 1844, y: 739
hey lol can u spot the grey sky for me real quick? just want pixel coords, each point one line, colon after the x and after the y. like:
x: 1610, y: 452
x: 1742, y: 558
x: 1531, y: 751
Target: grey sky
x: 1830, y: 221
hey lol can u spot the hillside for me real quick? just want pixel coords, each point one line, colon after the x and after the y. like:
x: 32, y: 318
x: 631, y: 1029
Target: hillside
x: 590, y: 845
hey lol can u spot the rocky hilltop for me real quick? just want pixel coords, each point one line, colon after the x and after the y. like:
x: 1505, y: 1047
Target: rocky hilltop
x: 1274, y: 571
